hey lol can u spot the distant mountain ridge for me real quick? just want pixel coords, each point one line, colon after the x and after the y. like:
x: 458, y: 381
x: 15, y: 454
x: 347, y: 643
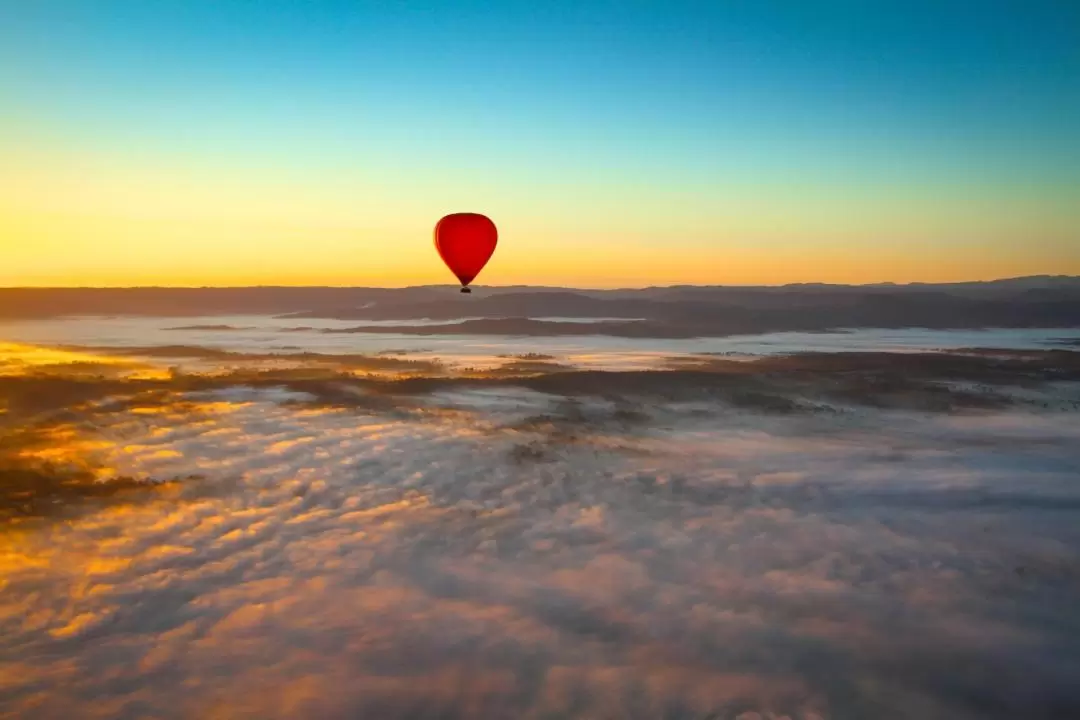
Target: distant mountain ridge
x: 673, y: 311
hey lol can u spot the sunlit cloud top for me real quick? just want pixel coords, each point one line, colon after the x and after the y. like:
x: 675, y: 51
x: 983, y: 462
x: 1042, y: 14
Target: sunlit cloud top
x: 202, y: 143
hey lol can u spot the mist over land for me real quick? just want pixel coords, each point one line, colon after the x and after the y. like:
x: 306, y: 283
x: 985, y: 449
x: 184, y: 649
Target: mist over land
x: 801, y: 502
x: 667, y: 312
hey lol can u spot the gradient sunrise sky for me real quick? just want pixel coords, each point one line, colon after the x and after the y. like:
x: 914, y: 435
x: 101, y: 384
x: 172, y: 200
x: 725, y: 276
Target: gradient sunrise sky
x: 240, y: 142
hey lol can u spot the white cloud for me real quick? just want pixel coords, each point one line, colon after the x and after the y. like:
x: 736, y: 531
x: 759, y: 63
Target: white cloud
x: 332, y: 564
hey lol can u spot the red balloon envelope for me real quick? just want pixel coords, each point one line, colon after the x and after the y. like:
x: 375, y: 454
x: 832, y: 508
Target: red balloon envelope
x: 465, y: 242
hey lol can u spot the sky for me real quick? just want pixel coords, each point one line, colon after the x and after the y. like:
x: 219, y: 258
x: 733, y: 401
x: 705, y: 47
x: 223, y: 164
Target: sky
x: 265, y: 142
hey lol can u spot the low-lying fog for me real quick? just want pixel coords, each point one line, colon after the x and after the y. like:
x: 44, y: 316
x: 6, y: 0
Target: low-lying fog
x: 261, y: 333
x: 811, y: 538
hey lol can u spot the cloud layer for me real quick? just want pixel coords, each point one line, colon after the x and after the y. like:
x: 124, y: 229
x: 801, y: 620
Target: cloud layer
x: 502, y: 552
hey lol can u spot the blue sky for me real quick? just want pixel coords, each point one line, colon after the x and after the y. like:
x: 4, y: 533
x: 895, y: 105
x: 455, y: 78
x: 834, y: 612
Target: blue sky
x: 589, y: 121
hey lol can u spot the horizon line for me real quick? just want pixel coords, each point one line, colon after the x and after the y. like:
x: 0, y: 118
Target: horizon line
x: 883, y: 283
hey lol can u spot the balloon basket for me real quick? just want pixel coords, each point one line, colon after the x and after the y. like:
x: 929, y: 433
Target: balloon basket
x: 466, y: 290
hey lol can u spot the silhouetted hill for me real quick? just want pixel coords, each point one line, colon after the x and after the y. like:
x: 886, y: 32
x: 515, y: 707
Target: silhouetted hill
x: 526, y: 326
x: 513, y: 304
x: 681, y: 311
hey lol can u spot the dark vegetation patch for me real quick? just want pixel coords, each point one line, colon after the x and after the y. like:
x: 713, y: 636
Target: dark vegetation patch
x: 88, y: 368
x: 379, y: 362
x: 345, y: 393
x: 521, y: 367
x: 630, y: 416
x: 706, y: 361
x: 531, y: 452
x: 765, y: 402
x: 27, y: 399
x: 742, y: 389
x: 571, y: 423
x: 988, y: 366
x: 371, y: 363
x: 41, y: 490
x: 32, y: 488
x: 402, y: 351
x: 537, y: 328
x: 164, y: 351
x: 807, y: 382
x: 27, y: 396
x: 211, y: 328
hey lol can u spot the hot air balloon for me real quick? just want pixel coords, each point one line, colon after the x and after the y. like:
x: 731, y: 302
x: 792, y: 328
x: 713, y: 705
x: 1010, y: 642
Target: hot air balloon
x: 465, y: 242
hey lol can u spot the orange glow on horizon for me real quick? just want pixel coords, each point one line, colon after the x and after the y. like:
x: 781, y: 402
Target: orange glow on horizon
x: 87, y: 220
